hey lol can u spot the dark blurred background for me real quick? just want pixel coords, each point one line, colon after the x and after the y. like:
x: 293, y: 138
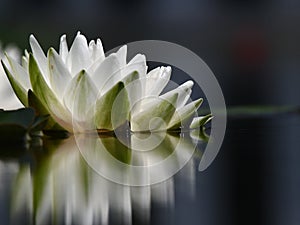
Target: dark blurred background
x: 251, y: 46
x: 254, y: 51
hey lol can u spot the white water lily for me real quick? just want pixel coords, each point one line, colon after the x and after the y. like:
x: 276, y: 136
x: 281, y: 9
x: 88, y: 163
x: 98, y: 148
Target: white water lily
x: 82, y: 89
x: 8, y: 99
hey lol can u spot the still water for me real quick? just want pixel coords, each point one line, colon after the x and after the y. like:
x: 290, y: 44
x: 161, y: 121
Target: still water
x: 92, y: 179
x: 253, y: 180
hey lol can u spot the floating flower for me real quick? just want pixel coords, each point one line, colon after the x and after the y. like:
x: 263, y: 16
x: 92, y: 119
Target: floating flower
x: 83, y: 90
x: 8, y: 99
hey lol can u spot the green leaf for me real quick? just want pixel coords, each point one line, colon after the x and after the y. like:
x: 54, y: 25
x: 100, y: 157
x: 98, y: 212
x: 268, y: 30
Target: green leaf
x: 22, y: 117
x: 105, y: 117
x: 155, y: 112
x: 183, y: 115
x: 19, y: 90
x: 15, y: 124
x: 200, y: 121
x: 47, y: 97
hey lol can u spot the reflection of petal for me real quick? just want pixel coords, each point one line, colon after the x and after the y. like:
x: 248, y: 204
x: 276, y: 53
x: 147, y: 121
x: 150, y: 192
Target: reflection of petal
x: 151, y: 150
x: 141, y: 201
x: 164, y: 194
x: 188, y: 177
x: 137, y: 165
x: 22, y: 191
x: 65, y: 189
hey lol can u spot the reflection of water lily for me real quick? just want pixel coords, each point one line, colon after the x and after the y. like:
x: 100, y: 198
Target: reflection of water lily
x: 8, y: 99
x: 63, y: 189
x: 82, y: 87
x: 146, y: 159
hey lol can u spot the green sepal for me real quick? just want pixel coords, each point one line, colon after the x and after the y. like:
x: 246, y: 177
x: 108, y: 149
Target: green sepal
x: 161, y: 108
x: 41, y: 112
x: 183, y: 115
x: 20, y: 92
x: 200, y: 121
x: 47, y: 97
x: 105, y: 118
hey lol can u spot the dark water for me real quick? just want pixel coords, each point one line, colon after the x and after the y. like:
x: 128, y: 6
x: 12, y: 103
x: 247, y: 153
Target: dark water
x: 254, y: 180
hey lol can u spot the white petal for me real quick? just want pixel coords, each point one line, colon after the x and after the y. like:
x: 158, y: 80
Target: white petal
x: 184, y: 114
x: 121, y: 55
x: 19, y: 73
x: 79, y: 55
x: 157, y: 79
x: 63, y: 48
x: 19, y: 90
x: 13, y: 52
x: 26, y: 54
x: 200, y: 121
x: 96, y: 49
x: 25, y: 60
x: 155, y: 115
x: 184, y: 92
x: 25, y: 63
x: 59, y: 75
x: 107, y: 74
x: 47, y: 97
x: 80, y: 86
x: 80, y: 97
x: 136, y: 89
x: 8, y: 99
x: 137, y: 63
x: 39, y: 55
x: 97, y: 55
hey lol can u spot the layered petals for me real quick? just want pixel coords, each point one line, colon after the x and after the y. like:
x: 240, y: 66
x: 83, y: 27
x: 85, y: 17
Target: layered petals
x: 45, y: 94
x: 82, y: 89
x: 59, y: 74
x: 79, y: 55
x: 80, y: 96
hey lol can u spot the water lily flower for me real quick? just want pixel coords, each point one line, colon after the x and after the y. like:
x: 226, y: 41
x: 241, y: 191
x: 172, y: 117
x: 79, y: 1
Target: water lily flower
x: 82, y: 89
x: 8, y: 99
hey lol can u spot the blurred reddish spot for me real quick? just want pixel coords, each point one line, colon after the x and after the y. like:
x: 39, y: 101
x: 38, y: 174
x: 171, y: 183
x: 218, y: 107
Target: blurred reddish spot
x: 249, y: 48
